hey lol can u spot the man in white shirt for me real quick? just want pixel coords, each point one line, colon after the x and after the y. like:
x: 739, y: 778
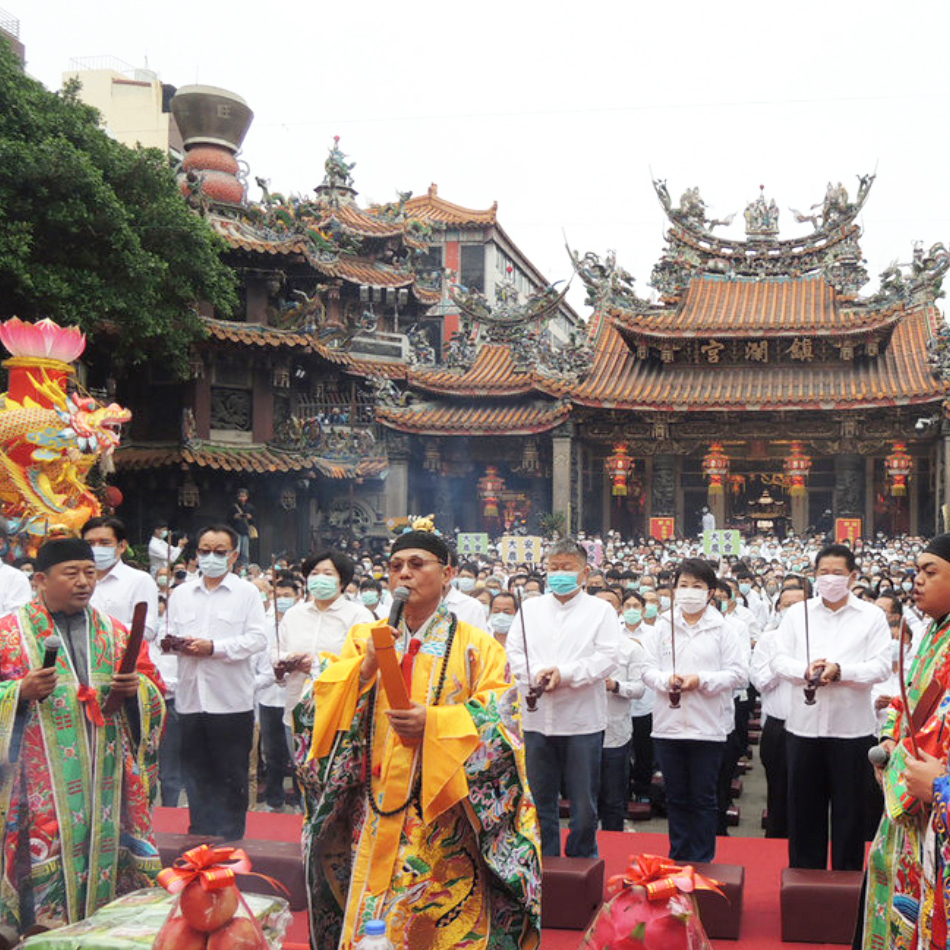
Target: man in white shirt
x: 694, y: 662
x: 846, y: 651
x: 161, y: 552
x: 566, y: 648
x: 466, y: 608
x: 15, y: 588
x: 776, y: 699
x: 119, y: 587
x: 221, y: 621
x: 318, y: 625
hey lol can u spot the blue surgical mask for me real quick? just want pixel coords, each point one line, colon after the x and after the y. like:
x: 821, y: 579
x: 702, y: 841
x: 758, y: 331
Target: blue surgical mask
x: 213, y: 565
x: 284, y: 604
x: 632, y: 617
x: 650, y: 611
x: 906, y: 586
x: 105, y: 557
x: 501, y: 623
x: 744, y: 588
x: 369, y: 597
x: 323, y: 586
x: 465, y: 584
x: 633, y: 585
x: 563, y: 582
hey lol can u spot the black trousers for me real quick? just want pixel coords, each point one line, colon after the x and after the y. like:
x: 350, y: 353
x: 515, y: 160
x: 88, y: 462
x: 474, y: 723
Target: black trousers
x: 642, y: 746
x: 215, y: 757
x: 774, y: 759
x: 276, y: 754
x: 823, y: 772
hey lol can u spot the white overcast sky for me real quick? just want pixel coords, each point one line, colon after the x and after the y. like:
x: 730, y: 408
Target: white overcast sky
x: 560, y: 110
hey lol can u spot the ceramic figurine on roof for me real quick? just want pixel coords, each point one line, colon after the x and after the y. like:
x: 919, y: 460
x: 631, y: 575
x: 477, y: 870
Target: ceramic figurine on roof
x: 761, y: 218
x: 337, y: 168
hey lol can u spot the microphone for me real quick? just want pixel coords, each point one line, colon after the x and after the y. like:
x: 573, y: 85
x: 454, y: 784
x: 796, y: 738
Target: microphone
x: 53, y: 644
x: 878, y: 756
x: 400, y: 597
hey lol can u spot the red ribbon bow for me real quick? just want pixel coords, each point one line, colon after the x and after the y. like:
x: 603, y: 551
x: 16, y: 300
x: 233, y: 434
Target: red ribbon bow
x: 90, y: 700
x: 216, y: 868
x: 660, y: 878
x: 408, y: 661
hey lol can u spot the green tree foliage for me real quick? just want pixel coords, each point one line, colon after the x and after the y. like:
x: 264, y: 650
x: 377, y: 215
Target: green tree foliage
x: 97, y: 234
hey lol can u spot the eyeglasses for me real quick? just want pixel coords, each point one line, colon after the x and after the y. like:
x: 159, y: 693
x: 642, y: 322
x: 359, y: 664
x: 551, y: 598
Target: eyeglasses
x: 221, y: 552
x: 413, y: 563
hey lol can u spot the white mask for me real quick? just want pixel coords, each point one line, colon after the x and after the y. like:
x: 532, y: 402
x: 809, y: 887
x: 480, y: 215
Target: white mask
x: 833, y: 587
x: 691, y: 600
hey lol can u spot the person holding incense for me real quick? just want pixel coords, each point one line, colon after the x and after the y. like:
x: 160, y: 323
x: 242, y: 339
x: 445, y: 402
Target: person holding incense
x: 418, y: 809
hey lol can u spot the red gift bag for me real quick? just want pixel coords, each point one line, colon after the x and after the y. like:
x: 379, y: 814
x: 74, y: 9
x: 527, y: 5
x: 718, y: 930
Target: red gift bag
x: 651, y: 907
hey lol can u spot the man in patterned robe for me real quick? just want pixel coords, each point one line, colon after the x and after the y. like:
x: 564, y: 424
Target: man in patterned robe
x: 74, y: 783
x: 420, y: 816
x: 895, y: 882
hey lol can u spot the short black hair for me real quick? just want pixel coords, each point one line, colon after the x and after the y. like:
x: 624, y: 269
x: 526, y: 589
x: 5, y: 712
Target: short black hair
x: 468, y: 566
x: 344, y: 564
x: 630, y: 594
x: 116, y: 526
x: 836, y: 550
x: 370, y: 583
x: 504, y: 593
x: 218, y: 529
x: 696, y: 567
x: 287, y: 580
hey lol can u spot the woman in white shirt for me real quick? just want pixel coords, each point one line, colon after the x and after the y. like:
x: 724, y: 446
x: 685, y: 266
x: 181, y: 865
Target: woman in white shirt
x: 694, y: 661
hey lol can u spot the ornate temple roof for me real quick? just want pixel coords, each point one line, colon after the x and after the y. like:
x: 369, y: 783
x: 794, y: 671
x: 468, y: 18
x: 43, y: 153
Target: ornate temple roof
x: 769, y: 306
x: 439, y: 419
x: 492, y: 374
x: 430, y: 207
x: 255, y: 334
x: 901, y: 375
x: 252, y: 459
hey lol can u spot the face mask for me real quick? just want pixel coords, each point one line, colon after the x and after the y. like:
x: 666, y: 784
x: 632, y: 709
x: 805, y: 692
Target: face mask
x: 632, y: 617
x: 691, y: 600
x: 907, y: 586
x: 369, y: 597
x: 104, y: 557
x: 465, y: 584
x: 833, y: 587
x: 745, y: 588
x: 213, y: 565
x: 377, y: 574
x: 284, y: 604
x: 163, y: 533
x: 501, y: 623
x: 650, y: 611
x: 323, y: 586
x: 633, y: 585
x: 265, y: 597
x: 563, y: 582
x: 162, y: 581
x: 664, y: 602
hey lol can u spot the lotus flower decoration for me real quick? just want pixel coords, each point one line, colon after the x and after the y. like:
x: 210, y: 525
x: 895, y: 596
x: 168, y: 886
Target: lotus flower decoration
x: 44, y: 340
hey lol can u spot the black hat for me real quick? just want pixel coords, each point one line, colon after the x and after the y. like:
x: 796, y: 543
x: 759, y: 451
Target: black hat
x: 425, y: 541
x: 57, y: 550
x: 940, y: 546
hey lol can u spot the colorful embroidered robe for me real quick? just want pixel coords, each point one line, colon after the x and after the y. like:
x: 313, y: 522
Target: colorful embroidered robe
x: 74, y: 796
x: 459, y: 867
x: 892, y: 908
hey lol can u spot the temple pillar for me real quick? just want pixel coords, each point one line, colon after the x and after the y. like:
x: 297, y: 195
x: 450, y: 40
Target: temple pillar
x: 800, y: 513
x: 561, y: 445
x: 717, y: 505
x: 868, y: 497
x: 607, y: 496
x: 648, y: 494
x: 913, y: 499
x: 849, y: 487
x: 663, y: 493
x: 397, y: 477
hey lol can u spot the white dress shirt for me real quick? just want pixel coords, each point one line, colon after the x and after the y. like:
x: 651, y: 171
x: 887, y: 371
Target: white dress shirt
x: 467, y: 608
x: 307, y: 630
x: 709, y: 648
x: 118, y: 592
x: 161, y: 554
x: 642, y: 705
x: 15, y: 589
x: 582, y: 639
x: 857, y: 638
x: 776, y: 692
x: 231, y: 615
x: 630, y: 686
x: 268, y: 692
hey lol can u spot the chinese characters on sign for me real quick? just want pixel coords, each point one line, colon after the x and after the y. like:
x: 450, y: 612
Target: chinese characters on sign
x: 847, y: 529
x: 472, y: 543
x: 721, y: 543
x: 518, y: 550
x: 662, y: 528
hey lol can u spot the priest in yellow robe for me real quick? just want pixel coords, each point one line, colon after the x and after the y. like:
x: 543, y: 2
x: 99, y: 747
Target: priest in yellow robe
x: 422, y: 816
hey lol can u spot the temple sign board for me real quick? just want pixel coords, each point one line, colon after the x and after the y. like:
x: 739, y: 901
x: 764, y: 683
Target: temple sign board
x: 472, y: 542
x: 521, y: 550
x: 720, y: 543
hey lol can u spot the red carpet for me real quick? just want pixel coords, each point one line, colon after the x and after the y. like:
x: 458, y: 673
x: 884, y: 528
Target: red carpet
x: 763, y: 860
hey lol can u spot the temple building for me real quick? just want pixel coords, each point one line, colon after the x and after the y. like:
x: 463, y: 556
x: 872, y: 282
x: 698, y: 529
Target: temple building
x: 407, y: 358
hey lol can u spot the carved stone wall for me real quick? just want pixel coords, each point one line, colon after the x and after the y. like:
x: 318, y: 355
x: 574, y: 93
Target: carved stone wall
x: 849, y: 486
x: 664, y: 486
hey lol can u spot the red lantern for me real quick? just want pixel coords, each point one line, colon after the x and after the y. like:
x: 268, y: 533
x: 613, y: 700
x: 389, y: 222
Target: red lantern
x: 112, y: 496
x: 797, y: 467
x: 715, y: 467
x: 899, y: 465
x: 619, y: 467
x: 490, y: 486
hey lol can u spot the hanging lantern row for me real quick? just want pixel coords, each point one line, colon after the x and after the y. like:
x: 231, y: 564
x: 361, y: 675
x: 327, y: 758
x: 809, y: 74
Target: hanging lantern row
x: 899, y: 465
x: 715, y: 467
x: 619, y: 466
x: 797, y: 467
x: 490, y: 486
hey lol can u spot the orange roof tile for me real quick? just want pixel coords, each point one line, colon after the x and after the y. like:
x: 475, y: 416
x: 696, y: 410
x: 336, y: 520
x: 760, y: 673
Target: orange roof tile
x: 362, y: 271
x: 430, y: 207
x: 768, y: 307
x: 899, y: 376
x: 259, y: 459
x: 493, y: 373
x: 254, y: 334
x: 475, y: 420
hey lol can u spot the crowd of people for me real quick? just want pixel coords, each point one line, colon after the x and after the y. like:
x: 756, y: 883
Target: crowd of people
x: 625, y: 657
